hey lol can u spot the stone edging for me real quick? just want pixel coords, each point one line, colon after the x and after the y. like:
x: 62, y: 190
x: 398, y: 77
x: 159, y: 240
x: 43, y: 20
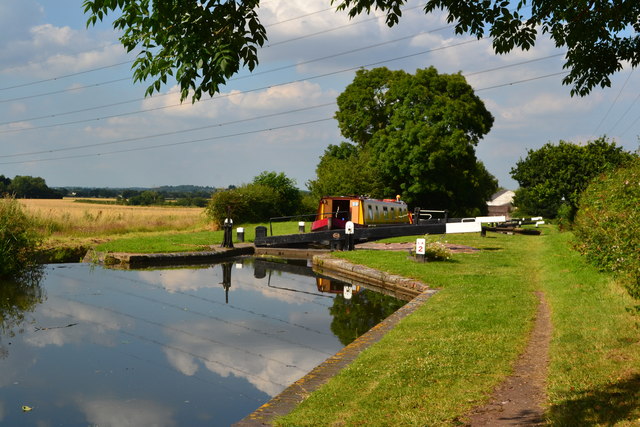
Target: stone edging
x: 288, y: 399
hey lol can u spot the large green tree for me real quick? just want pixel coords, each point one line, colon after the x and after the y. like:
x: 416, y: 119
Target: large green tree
x: 203, y: 43
x: 345, y: 170
x: 32, y: 187
x: 552, y: 177
x: 417, y: 135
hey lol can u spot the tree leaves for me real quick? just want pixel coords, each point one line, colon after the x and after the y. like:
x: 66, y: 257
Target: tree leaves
x: 204, y: 45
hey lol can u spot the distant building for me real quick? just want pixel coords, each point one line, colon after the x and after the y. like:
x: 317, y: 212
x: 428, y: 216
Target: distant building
x: 501, y: 203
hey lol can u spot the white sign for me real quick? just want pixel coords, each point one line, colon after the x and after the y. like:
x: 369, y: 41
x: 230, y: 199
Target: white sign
x: 463, y: 227
x: 349, y: 228
x: 420, y: 246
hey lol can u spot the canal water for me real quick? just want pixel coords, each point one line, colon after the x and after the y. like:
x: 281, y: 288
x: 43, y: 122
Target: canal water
x: 82, y: 345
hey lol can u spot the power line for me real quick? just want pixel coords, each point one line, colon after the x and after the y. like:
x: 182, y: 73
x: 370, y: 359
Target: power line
x: 173, y: 144
x: 247, y: 132
x: 348, y: 52
x: 613, y: 103
x: 120, y: 141
x: 71, y: 89
x: 246, y: 91
x: 64, y: 76
x: 522, y: 81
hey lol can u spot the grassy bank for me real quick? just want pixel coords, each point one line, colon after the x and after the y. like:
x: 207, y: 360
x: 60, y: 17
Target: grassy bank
x: 448, y: 356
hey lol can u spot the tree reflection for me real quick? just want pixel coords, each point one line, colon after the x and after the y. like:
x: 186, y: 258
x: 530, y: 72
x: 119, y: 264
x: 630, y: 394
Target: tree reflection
x: 353, y: 317
x: 18, y: 297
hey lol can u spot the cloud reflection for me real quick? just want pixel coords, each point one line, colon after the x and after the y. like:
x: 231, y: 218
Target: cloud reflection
x: 126, y: 413
x: 267, y: 366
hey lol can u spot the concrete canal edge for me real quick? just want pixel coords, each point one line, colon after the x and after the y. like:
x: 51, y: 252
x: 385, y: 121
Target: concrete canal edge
x: 133, y: 260
x: 293, y: 395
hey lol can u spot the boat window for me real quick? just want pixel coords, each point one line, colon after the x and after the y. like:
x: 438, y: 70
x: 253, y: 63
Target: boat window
x: 393, y: 213
x: 386, y: 212
x: 370, y: 210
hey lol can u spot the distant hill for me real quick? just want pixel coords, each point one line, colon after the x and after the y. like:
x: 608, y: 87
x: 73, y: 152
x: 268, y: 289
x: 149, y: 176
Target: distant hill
x: 167, y: 191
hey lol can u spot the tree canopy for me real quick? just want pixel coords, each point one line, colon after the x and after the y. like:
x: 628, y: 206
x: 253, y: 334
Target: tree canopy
x: 554, y: 176
x: 200, y: 43
x: 414, y: 135
x: 204, y: 43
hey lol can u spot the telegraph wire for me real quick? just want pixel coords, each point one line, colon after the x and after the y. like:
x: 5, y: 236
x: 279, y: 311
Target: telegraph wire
x: 174, y: 143
x: 522, y: 81
x: 68, y: 75
x: 232, y: 79
x: 231, y: 122
x: 71, y: 89
x: 120, y: 141
x: 132, y: 61
x: 303, y: 79
x: 613, y: 103
x: 339, y: 27
x: 502, y: 67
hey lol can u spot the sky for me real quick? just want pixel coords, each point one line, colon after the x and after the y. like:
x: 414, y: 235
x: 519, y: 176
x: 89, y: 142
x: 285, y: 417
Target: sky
x: 71, y: 113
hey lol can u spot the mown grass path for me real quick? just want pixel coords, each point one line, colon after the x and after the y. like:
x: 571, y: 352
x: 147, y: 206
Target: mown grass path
x: 448, y: 357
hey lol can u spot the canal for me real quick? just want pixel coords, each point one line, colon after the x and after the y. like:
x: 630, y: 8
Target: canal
x: 205, y: 346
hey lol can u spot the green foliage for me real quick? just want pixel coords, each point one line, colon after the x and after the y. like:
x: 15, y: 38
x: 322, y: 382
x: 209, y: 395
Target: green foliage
x: 18, y: 296
x: 200, y: 44
x: 437, y: 251
x: 18, y: 238
x: 345, y: 170
x: 415, y: 135
x: 556, y: 175
x: 146, y: 198
x: 288, y: 194
x: 607, y: 225
x: 29, y: 187
x: 597, y: 37
x: 353, y: 317
x: 247, y: 203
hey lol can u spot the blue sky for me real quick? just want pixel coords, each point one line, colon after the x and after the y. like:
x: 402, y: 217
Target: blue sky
x: 70, y: 112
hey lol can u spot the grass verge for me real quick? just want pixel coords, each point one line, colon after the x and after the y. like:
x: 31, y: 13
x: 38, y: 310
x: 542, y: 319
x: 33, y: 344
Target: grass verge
x: 443, y: 360
x: 449, y: 355
x: 165, y: 242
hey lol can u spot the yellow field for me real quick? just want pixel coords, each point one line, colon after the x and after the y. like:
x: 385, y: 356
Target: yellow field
x: 68, y: 217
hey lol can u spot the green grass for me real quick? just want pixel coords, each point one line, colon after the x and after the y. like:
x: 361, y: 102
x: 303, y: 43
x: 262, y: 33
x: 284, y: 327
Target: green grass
x: 447, y: 357
x: 444, y: 359
x: 165, y: 242
x: 594, y: 377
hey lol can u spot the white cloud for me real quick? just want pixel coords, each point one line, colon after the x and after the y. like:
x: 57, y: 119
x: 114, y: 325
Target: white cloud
x: 126, y: 413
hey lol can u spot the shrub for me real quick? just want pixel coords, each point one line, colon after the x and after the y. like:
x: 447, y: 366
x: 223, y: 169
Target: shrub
x: 607, y: 224
x: 18, y: 238
x: 248, y: 203
x: 437, y: 251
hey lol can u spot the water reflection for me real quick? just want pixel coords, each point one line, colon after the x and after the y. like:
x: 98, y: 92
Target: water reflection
x: 18, y: 298
x: 183, y: 346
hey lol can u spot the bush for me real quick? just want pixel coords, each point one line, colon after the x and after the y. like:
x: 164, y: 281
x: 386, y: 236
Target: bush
x: 248, y: 203
x: 607, y: 224
x: 18, y: 238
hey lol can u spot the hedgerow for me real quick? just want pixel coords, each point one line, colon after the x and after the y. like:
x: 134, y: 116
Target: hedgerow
x: 608, y: 224
x: 18, y: 238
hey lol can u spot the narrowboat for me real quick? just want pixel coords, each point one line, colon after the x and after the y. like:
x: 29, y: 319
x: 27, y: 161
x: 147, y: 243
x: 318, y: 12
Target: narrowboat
x: 334, y: 212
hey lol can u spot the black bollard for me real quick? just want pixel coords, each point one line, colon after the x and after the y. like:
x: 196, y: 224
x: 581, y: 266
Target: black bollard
x: 227, y: 239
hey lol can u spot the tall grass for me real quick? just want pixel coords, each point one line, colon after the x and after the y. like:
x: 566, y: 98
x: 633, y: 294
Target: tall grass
x: 66, y: 217
x: 18, y: 238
